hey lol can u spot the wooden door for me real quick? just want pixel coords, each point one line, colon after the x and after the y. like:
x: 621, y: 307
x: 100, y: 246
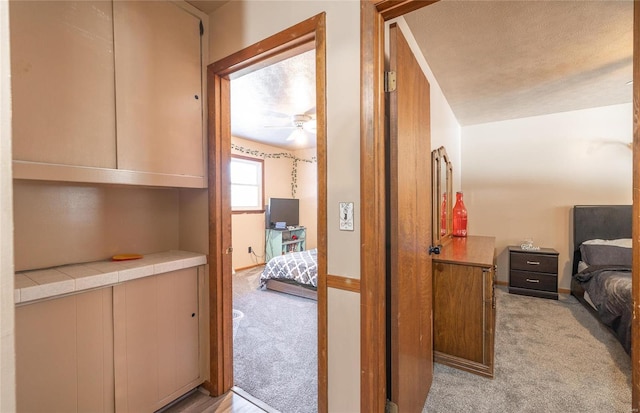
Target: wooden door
x: 409, y: 217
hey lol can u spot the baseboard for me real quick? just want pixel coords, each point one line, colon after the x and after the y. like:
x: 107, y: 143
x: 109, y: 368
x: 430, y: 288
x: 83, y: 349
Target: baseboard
x: 249, y: 267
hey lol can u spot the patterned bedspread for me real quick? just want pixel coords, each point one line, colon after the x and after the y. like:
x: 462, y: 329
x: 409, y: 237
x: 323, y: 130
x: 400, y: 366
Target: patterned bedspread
x: 301, y: 267
x: 609, y: 288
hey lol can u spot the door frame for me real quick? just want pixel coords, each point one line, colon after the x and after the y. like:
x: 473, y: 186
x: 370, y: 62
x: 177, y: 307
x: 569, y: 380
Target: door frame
x: 373, y: 14
x: 373, y: 379
x: 306, y: 35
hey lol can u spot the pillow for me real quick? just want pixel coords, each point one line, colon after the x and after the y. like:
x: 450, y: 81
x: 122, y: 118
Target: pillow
x: 621, y: 242
x: 607, y: 252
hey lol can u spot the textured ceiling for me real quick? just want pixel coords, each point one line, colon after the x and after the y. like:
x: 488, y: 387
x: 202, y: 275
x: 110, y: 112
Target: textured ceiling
x: 498, y: 60
x: 264, y: 103
x: 494, y: 60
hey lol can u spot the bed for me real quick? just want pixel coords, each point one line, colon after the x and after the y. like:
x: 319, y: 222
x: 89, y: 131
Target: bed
x: 601, y: 269
x: 293, y: 273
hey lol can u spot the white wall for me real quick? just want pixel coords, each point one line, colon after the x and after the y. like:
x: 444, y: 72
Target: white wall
x: 239, y: 24
x: 307, y: 193
x: 521, y: 177
x: 7, y: 347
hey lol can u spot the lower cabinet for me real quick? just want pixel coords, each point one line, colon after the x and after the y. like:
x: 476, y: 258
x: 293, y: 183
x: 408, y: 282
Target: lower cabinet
x: 156, y: 340
x: 464, y: 305
x: 64, y: 354
x: 133, y: 347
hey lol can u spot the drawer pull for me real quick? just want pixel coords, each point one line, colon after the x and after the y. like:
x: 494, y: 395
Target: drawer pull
x: 533, y: 262
x: 529, y: 280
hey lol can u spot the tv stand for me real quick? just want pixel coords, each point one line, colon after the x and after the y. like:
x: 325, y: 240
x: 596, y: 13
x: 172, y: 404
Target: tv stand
x: 283, y: 241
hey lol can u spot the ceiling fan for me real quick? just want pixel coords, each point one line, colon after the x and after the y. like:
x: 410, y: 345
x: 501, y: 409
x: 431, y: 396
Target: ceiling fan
x: 300, y: 123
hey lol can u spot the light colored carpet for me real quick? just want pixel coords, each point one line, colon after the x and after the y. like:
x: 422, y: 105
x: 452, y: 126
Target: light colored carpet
x: 550, y: 356
x: 275, y: 347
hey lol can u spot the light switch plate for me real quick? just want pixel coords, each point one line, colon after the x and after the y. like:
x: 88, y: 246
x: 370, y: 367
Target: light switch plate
x: 346, y: 216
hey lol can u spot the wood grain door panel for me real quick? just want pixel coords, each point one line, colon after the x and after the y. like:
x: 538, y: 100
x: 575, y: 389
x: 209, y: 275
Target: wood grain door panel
x: 411, y: 344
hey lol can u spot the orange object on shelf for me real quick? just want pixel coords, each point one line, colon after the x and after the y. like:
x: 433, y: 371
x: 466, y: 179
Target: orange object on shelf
x: 125, y: 257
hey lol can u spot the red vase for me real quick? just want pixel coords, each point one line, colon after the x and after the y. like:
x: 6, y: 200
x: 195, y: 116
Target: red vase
x: 443, y: 215
x: 459, y: 217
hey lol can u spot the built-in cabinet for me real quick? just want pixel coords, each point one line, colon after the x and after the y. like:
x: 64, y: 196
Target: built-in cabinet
x: 62, y: 80
x: 131, y: 347
x: 158, y: 69
x: 156, y: 339
x: 111, y: 92
x: 108, y: 92
x: 283, y: 241
x: 464, y: 304
x: 64, y: 354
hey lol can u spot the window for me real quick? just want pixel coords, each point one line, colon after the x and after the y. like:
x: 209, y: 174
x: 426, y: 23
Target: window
x: 246, y: 184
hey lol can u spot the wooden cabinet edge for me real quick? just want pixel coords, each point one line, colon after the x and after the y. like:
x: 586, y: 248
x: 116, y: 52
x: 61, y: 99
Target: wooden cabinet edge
x: 462, y: 364
x: 84, y: 174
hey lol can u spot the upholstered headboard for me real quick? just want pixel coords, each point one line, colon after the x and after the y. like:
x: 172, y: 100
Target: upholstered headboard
x: 599, y: 221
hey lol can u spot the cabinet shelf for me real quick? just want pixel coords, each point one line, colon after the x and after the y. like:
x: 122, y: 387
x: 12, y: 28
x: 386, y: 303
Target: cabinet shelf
x: 87, y: 174
x: 295, y: 241
x: 280, y: 242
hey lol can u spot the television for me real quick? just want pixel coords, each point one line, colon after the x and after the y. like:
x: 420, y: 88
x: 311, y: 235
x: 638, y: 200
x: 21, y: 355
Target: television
x: 285, y: 210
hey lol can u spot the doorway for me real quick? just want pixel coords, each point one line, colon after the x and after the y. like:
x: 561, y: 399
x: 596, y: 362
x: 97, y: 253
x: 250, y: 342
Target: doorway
x: 300, y: 38
x: 373, y: 17
x: 274, y: 183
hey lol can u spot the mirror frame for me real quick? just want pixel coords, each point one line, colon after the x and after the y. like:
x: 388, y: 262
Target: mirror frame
x: 439, y: 162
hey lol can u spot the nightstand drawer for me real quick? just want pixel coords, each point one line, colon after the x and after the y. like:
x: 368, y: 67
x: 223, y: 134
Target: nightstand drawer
x: 534, y: 262
x: 534, y: 281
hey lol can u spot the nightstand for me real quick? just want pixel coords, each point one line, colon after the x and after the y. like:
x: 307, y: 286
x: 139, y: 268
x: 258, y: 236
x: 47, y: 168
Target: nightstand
x: 533, y: 272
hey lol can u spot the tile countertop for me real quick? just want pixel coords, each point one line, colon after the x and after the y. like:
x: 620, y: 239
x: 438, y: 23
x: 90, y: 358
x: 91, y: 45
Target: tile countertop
x: 37, y: 284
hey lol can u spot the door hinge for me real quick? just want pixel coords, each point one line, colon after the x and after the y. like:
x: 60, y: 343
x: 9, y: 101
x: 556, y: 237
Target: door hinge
x: 390, y: 407
x: 389, y: 81
x: 228, y: 250
x: 201, y: 28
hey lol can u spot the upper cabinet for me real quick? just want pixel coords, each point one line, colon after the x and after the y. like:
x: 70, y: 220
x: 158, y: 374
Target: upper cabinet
x: 109, y: 92
x: 158, y: 88
x: 62, y: 81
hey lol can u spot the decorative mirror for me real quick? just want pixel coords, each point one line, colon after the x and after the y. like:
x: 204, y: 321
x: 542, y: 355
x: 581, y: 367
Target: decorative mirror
x: 442, y: 189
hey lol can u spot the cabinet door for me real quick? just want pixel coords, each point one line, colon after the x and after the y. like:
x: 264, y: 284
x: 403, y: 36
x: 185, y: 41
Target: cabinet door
x: 158, y: 88
x: 64, y: 354
x: 62, y: 79
x: 156, y: 340
x: 458, y: 311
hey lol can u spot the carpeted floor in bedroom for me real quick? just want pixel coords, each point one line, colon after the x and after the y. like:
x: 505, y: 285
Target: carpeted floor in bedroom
x: 275, y: 347
x: 550, y: 356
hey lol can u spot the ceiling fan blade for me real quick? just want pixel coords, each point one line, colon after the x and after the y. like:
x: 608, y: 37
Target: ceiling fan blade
x: 274, y: 114
x: 279, y: 127
x: 311, y: 112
